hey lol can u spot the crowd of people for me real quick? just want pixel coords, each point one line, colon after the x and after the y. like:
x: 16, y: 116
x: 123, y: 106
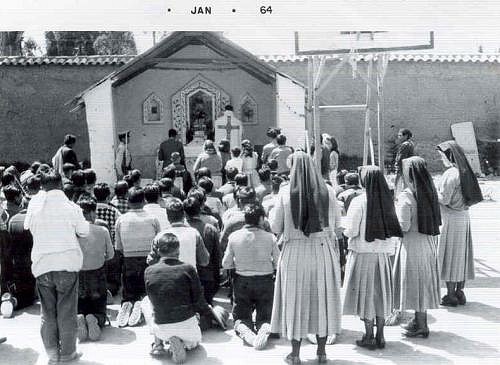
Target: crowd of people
x: 278, y: 233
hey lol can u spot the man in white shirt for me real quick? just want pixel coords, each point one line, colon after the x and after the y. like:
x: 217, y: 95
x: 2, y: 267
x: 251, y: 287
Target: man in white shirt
x: 55, y: 223
x: 152, y: 195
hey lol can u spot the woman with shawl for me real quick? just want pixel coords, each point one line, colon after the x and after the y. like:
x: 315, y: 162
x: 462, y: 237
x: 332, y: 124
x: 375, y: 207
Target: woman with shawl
x: 332, y: 147
x: 211, y: 160
x: 307, y: 289
x: 416, y: 270
x: 371, y: 222
x: 457, y: 191
x: 250, y: 163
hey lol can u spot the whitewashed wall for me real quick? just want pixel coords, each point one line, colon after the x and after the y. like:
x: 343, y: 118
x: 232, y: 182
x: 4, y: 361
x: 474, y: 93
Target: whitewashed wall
x: 290, y: 106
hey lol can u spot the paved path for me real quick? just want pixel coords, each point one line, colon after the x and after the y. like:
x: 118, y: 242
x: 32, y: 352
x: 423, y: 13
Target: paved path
x: 463, y: 335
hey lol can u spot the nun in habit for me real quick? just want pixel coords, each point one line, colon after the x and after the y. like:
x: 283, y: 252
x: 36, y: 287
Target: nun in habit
x: 416, y: 269
x: 371, y: 222
x: 457, y: 191
x: 307, y: 288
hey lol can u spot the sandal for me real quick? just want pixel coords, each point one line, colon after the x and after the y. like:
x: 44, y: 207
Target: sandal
x: 448, y: 301
x: 292, y: 360
x: 461, y: 297
x: 367, y: 342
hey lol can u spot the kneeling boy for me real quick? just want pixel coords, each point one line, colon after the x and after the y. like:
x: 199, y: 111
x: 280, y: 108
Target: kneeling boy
x: 174, y: 297
x: 253, y: 254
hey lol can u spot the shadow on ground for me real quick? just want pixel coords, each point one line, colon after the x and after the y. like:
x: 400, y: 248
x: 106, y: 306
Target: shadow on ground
x: 13, y: 355
x: 117, y: 336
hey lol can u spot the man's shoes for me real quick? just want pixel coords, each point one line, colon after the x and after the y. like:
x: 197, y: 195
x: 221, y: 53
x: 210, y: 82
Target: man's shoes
x: 8, y: 304
x: 135, y: 318
x: 73, y: 357
x: 94, y: 330
x: 124, y: 314
x: 82, y: 330
x: 177, y: 349
x: 158, y: 350
x: 244, y: 332
x: 262, y: 336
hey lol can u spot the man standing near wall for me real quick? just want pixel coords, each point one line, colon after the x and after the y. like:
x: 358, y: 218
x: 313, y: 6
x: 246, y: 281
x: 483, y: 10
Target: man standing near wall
x: 170, y: 146
x: 123, y: 159
x: 65, y: 154
x: 406, y: 149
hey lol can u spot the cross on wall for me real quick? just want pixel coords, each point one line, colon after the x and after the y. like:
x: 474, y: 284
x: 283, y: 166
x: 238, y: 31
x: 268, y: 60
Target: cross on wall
x: 228, y: 127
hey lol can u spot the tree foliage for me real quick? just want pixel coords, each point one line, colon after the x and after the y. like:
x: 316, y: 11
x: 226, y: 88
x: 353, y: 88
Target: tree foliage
x: 10, y: 43
x: 89, y: 43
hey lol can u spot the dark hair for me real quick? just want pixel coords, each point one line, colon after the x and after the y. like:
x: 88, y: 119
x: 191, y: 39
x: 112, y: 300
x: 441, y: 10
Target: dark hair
x: 135, y: 195
x: 135, y: 175
x: 264, y: 174
x: 34, y: 183
x: 192, y: 206
x: 77, y: 178
x: 351, y: 178
x: 11, y: 193
x: 236, y: 151
x: 69, y: 139
x: 35, y: 166
x: 272, y: 164
x: 69, y: 190
x: 87, y: 203
x: 246, y: 195
x: 231, y: 173
x: 253, y: 212
x: 172, y: 133
x: 102, y: 192
x: 276, y: 183
x: 8, y: 178
x: 44, y: 168
x: 175, y: 210
x: 166, y: 184
x: 90, y: 176
x: 229, y: 107
x: 121, y: 189
x: 198, y: 194
x: 68, y: 167
x: 51, y: 180
x: 167, y: 243
x: 406, y: 132
x: 201, y: 172
x: 169, y: 172
x: 281, y: 140
x: 272, y: 133
x: 241, y: 180
x: 151, y: 193
x: 128, y: 180
x: 206, y: 184
x: 341, y: 177
x: 224, y: 146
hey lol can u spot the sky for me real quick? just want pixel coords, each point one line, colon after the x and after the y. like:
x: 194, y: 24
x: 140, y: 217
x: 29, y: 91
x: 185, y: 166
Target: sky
x: 276, y: 42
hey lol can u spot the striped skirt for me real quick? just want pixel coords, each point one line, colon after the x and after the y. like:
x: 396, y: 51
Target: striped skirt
x: 416, y: 273
x: 456, y: 258
x: 368, y: 282
x: 307, y: 289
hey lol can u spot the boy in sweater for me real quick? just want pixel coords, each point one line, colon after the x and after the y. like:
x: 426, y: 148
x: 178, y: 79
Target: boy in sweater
x: 96, y: 249
x: 252, y: 254
x: 135, y: 231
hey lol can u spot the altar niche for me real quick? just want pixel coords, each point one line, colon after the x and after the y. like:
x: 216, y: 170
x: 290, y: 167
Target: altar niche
x: 201, y: 111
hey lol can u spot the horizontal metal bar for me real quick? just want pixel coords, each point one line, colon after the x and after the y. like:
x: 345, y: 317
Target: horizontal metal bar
x: 341, y: 107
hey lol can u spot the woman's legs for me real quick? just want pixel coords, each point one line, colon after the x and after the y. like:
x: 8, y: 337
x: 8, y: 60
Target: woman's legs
x: 380, y: 328
x: 296, y: 348
x: 321, y: 345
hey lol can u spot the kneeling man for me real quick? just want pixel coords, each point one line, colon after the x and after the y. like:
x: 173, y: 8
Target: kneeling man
x: 174, y: 297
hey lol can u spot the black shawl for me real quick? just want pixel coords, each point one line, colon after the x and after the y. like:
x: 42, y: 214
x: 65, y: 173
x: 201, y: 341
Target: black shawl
x: 468, y: 181
x: 419, y: 181
x: 381, y: 219
x: 309, y: 197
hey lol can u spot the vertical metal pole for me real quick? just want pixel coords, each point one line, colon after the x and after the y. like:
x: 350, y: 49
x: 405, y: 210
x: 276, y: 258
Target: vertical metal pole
x: 367, y: 115
x: 380, y: 120
x: 310, y: 103
x: 316, y: 121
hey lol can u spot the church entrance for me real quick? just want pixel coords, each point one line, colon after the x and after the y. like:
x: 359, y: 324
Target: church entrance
x: 201, y: 116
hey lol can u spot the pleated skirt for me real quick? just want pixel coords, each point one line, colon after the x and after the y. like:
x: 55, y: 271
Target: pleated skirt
x: 307, y: 289
x: 368, y: 285
x: 416, y: 273
x: 456, y: 257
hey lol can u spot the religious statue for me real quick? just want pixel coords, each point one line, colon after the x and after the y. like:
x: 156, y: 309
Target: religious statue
x: 201, y: 123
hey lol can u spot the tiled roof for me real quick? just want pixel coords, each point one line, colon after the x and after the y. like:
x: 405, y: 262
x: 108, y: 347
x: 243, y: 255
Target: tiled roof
x: 65, y: 60
x: 121, y: 60
x: 399, y: 57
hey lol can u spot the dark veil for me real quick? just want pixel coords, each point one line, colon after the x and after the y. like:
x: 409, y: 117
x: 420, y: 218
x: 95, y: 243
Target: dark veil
x: 381, y: 219
x: 309, y: 197
x: 468, y: 181
x: 419, y: 181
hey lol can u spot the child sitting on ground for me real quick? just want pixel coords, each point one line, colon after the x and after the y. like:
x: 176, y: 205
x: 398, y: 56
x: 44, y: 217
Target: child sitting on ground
x: 174, y: 296
x: 96, y: 249
x: 253, y: 254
